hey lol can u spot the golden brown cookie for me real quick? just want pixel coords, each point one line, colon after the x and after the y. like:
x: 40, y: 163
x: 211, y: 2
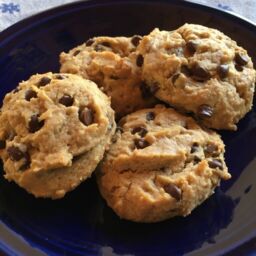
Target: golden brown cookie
x: 161, y: 164
x: 51, y: 122
x: 112, y: 63
x: 199, y: 70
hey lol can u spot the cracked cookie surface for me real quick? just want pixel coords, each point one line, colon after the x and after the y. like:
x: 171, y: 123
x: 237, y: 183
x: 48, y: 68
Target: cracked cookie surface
x: 201, y: 71
x: 161, y: 164
x: 52, y: 122
x: 112, y: 63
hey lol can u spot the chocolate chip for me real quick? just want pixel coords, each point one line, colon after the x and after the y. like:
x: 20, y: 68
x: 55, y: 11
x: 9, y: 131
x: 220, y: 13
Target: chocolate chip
x: 44, y: 81
x: 185, y: 70
x: 2, y: 144
x: 239, y: 68
x: 211, y: 149
x: 27, y: 162
x: 15, y: 153
x: 175, y: 77
x: 223, y: 71
x: 241, y: 59
x: 30, y: 94
x: 15, y: 90
x: 191, y: 47
x: 173, y: 190
x: 197, y: 159
x: 199, y: 73
x: 76, y: 52
x: 215, y: 163
x: 141, y: 143
x: 194, y: 148
x: 205, y: 111
x: 119, y: 129
x: 35, y: 124
x: 66, y: 100
x: 139, y: 60
x: 136, y: 40
x: 89, y: 42
x: 86, y: 116
x: 140, y: 130
x: 107, y: 44
x: 150, y: 116
x: 60, y: 77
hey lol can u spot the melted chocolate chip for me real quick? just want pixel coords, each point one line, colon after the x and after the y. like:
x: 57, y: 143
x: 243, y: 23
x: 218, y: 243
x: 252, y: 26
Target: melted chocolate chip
x: 191, y: 47
x: 175, y: 77
x: 107, y: 44
x: 197, y: 159
x: 223, y: 71
x: 27, y: 162
x: 211, y: 149
x: 136, y: 40
x: 30, y: 94
x: 140, y: 130
x: 66, y: 100
x: 150, y: 116
x: 205, y: 111
x: 140, y: 60
x: 35, y: 124
x: 89, y: 42
x: 194, y: 148
x: 44, y: 81
x: 76, y: 52
x: 239, y: 68
x: 15, y: 153
x: 185, y: 70
x: 2, y: 144
x: 173, y: 190
x: 15, y: 90
x: 215, y: 163
x: 60, y: 77
x: 199, y: 73
x: 141, y: 143
x: 241, y: 59
x: 86, y: 116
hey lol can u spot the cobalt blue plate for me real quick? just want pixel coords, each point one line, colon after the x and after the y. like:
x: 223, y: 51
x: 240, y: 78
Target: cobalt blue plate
x: 81, y: 223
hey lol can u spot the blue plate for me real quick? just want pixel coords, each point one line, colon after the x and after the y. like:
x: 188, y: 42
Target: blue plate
x: 81, y: 223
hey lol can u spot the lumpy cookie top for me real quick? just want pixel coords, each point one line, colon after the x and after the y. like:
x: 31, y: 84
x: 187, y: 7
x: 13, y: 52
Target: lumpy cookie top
x: 200, y: 70
x: 112, y: 63
x: 50, y: 119
x: 161, y: 164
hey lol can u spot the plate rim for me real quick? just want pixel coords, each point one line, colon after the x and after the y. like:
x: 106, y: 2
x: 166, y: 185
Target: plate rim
x: 6, y: 35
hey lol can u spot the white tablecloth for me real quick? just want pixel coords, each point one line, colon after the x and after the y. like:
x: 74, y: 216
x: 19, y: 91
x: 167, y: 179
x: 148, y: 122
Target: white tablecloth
x: 12, y: 11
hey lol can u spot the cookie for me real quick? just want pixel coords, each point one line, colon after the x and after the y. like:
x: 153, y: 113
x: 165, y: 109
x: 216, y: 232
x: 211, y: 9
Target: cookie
x: 111, y: 62
x: 160, y: 165
x: 49, y: 125
x: 199, y: 70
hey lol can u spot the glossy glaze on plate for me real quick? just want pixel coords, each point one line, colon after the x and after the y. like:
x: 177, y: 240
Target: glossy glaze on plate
x: 81, y: 224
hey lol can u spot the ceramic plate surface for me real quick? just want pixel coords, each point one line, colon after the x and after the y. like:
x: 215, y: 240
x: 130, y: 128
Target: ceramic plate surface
x: 81, y: 224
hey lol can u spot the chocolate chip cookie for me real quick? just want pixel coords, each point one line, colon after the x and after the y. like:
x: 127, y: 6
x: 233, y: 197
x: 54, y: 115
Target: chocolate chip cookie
x: 199, y: 70
x: 54, y: 129
x: 161, y: 164
x: 111, y: 62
